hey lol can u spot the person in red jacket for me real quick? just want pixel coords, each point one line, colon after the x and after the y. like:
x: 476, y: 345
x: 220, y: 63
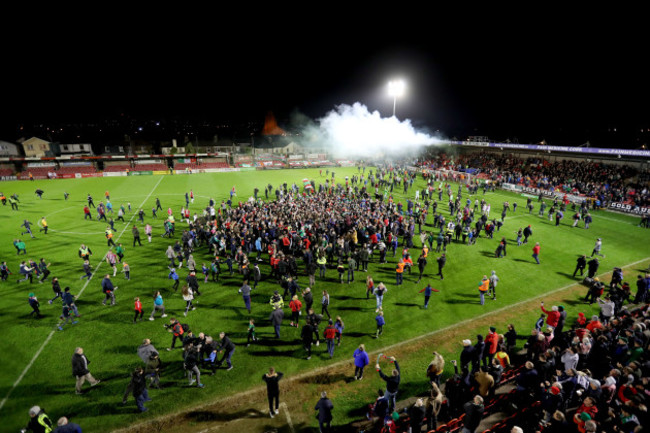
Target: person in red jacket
x: 295, y: 306
x: 138, y: 310
x: 491, y: 344
x: 330, y: 333
x: 536, y: 249
x: 552, y: 317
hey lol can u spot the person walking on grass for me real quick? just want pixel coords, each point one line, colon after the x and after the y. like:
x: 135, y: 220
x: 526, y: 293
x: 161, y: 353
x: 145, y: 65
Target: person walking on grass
x: 188, y: 296
x: 597, y: 247
x: 80, y: 370
x: 138, y: 309
x: 4, y: 271
x: 245, y: 291
x: 65, y: 317
x: 536, y: 250
x: 228, y: 348
x: 581, y: 264
x: 38, y: 421
x: 33, y: 302
x: 119, y: 251
x: 88, y: 273
x: 126, y: 269
x: 307, y: 337
x: 273, y: 390
x: 137, y: 386
x: 427, y: 295
x: 296, y: 307
x: 494, y: 280
x: 27, y: 272
x: 379, y: 319
x: 28, y: 228
x: 191, y: 365
x: 158, y: 305
x: 148, y: 230
x: 136, y: 235
x: 43, y: 225
x: 174, y: 277
x: 56, y: 288
x: 68, y: 299
x: 338, y: 324
x: 108, y: 289
x: 250, y: 336
x: 380, y: 291
x: 361, y: 359
x: 20, y: 246
x: 330, y: 333
x: 324, y: 408
x: 111, y: 259
x: 483, y: 288
x: 370, y: 286
x: 325, y: 302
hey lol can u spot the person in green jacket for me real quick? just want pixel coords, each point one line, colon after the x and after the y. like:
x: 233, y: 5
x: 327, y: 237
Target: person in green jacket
x: 20, y: 246
x: 119, y: 250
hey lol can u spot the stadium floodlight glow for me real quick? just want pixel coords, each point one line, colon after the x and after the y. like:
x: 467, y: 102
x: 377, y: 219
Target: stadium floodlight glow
x: 396, y: 88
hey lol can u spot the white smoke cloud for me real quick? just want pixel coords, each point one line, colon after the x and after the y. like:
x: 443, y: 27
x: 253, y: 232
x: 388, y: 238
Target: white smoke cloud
x: 352, y: 131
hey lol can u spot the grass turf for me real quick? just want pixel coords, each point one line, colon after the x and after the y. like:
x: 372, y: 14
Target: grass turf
x: 110, y: 339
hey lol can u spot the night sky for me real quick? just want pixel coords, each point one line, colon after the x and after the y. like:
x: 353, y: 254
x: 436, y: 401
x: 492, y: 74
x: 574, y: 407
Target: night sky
x: 566, y: 80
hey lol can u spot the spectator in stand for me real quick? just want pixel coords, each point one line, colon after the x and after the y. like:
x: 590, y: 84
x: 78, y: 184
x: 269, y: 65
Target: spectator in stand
x: 552, y: 317
x: 473, y: 414
x: 392, y: 383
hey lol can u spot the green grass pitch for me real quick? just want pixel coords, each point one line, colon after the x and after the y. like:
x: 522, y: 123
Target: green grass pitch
x: 36, y: 357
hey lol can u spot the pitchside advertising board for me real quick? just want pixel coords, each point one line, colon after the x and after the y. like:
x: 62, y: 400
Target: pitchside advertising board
x: 628, y: 208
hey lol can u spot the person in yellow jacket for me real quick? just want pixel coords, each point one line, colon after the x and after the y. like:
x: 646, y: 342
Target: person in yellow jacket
x: 483, y: 288
x: 109, y: 236
x: 43, y: 225
x: 38, y: 421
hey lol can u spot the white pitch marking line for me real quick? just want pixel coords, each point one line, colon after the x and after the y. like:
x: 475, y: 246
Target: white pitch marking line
x: 283, y: 405
x: 49, y: 337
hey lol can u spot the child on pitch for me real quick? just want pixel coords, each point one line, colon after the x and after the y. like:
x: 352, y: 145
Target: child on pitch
x: 111, y: 259
x: 339, y: 326
x: 251, y: 332
x: 87, y: 272
x: 148, y: 231
x: 65, y: 317
x: 126, y: 269
x: 380, y: 323
x: 206, y: 272
x: 138, y: 310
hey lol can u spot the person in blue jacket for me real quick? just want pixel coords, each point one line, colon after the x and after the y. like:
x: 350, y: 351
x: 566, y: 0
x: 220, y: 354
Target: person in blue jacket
x: 173, y: 276
x: 360, y: 361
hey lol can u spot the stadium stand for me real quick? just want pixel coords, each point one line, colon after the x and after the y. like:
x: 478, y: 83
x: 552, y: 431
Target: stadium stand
x: 200, y: 166
x: 114, y: 167
x: 73, y: 169
x: 150, y: 167
x: 534, y: 397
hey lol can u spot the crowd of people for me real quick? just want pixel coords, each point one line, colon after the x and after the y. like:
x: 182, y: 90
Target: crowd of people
x: 576, y: 375
x: 337, y: 227
x: 593, y: 179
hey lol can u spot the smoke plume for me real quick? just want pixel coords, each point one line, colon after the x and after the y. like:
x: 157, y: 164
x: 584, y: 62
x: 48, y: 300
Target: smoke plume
x: 352, y: 131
